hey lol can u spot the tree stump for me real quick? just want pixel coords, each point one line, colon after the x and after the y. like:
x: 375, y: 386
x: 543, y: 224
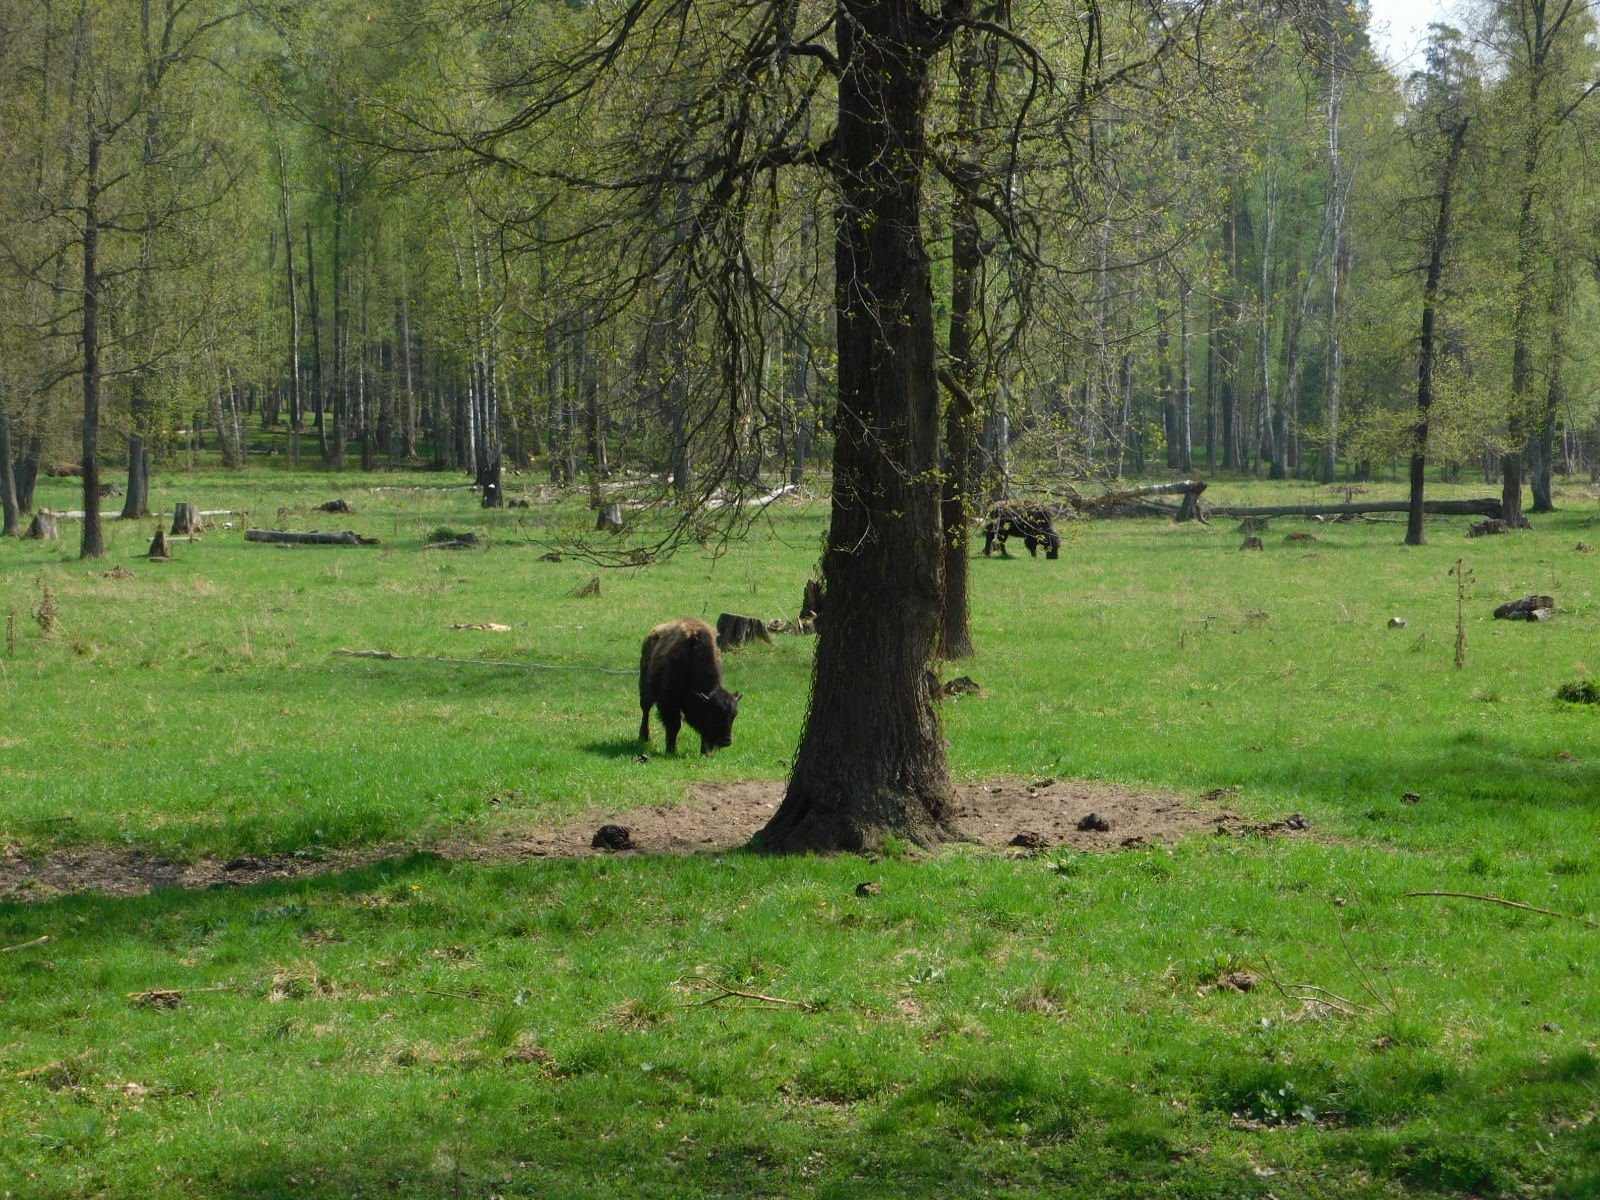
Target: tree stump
x: 1255, y: 525
x: 43, y: 527
x: 1252, y: 543
x: 735, y: 630
x: 811, y: 604
x: 335, y: 506
x: 158, y: 545
x: 185, y: 520
x: 1486, y: 528
x: 609, y: 519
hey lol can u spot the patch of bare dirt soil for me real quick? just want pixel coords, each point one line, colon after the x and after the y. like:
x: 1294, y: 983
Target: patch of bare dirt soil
x: 1071, y: 814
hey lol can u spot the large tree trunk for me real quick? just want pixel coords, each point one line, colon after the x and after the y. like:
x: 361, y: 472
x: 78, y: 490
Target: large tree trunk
x: 871, y: 762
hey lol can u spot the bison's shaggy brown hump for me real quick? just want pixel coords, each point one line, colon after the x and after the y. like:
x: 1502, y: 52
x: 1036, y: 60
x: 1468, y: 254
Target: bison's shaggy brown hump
x: 682, y: 654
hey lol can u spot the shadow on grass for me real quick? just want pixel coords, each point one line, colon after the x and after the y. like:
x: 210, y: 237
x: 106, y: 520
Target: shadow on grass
x: 621, y: 747
x: 105, y: 914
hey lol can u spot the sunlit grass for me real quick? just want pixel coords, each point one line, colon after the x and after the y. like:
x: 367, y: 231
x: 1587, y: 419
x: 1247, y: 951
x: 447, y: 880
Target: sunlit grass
x: 982, y: 1026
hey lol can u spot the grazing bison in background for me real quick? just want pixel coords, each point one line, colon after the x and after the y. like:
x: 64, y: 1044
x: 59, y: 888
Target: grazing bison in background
x: 680, y: 672
x: 1030, y: 522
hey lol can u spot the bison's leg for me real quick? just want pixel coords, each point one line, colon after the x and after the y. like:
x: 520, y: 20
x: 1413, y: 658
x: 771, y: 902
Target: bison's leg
x: 1032, y: 543
x: 671, y: 721
x: 988, y: 538
x: 644, y: 725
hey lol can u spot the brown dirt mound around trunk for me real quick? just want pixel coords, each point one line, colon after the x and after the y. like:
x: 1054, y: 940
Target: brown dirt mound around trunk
x: 720, y: 816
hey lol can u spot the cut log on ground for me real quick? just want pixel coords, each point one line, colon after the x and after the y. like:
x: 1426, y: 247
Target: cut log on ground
x: 158, y: 545
x: 1434, y: 508
x: 609, y: 519
x: 733, y: 630
x: 285, y: 537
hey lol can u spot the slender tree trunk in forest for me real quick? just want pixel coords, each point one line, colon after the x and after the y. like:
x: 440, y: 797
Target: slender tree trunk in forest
x: 871, y: 761
x: 966, y: 260
x: 1555, y: 400
x: 136, y: 499
x: 1438, y: 241
x: 407, y: 421
x: 92, y: 543
x: 594, y: 426
x: 296, y: 398
x: 318, y: 400
x: 10, y: 513
x: 1185, y: 461
x: 1338, y: 187
x: 1228, y: 341
x: 1166, y: 389
x: 337, y: 454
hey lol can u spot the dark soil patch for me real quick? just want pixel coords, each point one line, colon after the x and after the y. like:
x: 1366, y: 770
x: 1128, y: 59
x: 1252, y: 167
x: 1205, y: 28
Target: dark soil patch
x: 1050, y: 813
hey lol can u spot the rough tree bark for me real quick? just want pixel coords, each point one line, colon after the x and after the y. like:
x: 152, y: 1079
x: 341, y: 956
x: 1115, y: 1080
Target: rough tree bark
x: 871, y: 762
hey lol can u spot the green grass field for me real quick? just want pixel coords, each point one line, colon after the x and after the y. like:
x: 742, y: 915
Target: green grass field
x: 987, y: 1025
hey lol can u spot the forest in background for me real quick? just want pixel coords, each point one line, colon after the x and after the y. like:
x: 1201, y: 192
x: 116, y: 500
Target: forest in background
x: 1188, y: 237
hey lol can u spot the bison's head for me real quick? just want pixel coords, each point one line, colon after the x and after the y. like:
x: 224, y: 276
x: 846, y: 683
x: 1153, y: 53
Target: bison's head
x: 716, y: 726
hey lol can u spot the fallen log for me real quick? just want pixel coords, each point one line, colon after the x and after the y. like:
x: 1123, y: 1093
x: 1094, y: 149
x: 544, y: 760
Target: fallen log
x: 1434, y: 508
x: 1136, y: 501
x: 284, y: 536
x: 737, y: 500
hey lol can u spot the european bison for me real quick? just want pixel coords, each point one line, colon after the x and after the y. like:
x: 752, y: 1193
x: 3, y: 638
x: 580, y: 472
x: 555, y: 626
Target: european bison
x: 1030, y: 522
x: 680, y: 672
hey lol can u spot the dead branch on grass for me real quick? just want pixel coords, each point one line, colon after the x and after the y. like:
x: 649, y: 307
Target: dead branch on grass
x: 1548, y: 912
x: 463, y: 996
x: 38, y: 941
x: 752, y: 999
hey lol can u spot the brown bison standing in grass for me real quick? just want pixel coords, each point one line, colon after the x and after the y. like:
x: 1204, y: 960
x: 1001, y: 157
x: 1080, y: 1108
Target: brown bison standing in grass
x: 680, y: 672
